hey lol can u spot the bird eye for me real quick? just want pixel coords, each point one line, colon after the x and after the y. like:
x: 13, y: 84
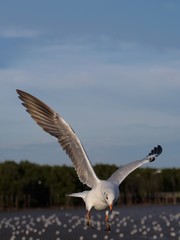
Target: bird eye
x: 106, y: 196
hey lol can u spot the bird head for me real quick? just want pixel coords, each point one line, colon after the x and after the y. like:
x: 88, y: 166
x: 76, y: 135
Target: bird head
x: 109, y: 197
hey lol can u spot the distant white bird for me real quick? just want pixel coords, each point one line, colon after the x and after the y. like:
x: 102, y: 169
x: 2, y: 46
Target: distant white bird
x: 102, y: 193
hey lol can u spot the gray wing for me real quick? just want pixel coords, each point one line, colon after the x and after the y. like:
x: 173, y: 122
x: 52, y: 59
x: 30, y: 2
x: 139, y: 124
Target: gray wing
x: 52, y: 123
x: 119, y: 175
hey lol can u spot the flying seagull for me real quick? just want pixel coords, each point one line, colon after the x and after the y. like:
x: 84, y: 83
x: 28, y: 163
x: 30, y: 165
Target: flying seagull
x: 103, y: 193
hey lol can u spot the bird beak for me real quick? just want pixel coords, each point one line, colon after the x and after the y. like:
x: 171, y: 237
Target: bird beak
x: 111, y: 207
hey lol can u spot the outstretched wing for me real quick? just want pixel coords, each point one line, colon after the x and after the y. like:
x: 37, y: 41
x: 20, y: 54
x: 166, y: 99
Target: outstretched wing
x: 55, y: 125
x: 119, y: 175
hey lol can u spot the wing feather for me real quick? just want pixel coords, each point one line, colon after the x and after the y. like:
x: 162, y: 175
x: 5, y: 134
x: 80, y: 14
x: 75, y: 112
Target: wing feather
x: 119, y: 175
x: 55, y: 125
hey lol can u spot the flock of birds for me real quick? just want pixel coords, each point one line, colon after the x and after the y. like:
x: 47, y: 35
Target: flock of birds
x: 103, y: 193
x: 60, y: 225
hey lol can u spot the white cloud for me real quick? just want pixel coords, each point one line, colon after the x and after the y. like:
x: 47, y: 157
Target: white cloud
x: 72, y: 66
x: 127, y: 92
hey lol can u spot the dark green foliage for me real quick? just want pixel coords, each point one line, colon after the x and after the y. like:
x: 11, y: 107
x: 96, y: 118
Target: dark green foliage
x: 104, y: 171
x: 25, y: 185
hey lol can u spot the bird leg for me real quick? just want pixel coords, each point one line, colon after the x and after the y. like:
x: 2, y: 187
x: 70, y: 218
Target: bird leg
x: 108, y: 226
x: 89, y: 219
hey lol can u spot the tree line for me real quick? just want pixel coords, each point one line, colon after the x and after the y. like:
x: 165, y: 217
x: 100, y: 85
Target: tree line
x: 29, y: 185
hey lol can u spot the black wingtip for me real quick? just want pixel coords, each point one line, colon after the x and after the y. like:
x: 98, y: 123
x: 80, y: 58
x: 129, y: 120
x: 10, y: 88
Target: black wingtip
x: 156, y: 151
x: 159, y: 149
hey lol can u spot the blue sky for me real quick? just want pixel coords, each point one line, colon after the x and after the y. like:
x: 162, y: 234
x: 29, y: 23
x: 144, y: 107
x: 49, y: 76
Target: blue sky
x: 110, y: 68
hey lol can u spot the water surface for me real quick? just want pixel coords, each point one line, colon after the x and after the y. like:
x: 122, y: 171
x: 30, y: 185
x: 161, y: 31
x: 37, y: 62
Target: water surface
x: 137, y: 222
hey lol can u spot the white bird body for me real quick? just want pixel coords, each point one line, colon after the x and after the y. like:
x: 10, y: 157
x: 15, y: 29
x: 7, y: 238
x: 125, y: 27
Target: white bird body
x: 96, y: 197
x: 103, y: 193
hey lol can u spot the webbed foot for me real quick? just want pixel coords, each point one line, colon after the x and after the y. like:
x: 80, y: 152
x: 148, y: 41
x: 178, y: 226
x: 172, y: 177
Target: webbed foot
x: 108, y: 227
x: 90, y: 225
x: 89, y: 220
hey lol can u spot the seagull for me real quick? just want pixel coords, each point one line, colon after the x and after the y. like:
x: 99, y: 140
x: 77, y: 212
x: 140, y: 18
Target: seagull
x: 102, y: 193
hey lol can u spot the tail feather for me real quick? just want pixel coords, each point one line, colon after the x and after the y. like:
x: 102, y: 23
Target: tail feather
x: 80, y: 194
